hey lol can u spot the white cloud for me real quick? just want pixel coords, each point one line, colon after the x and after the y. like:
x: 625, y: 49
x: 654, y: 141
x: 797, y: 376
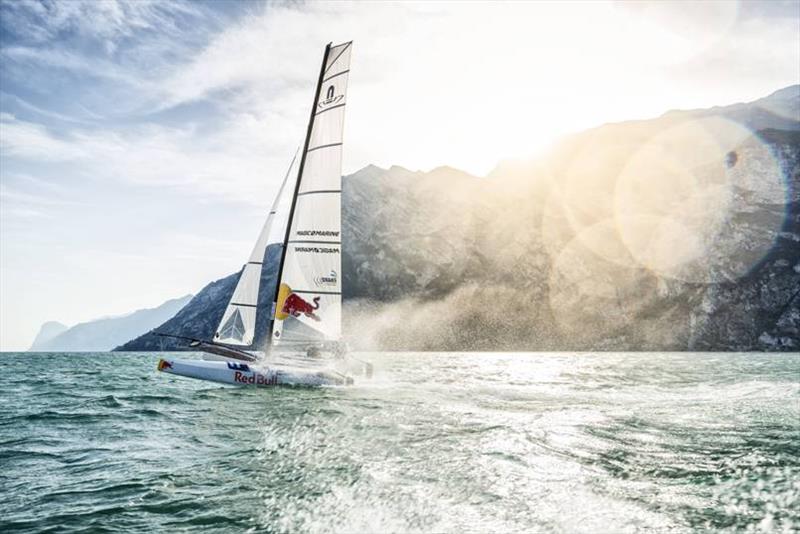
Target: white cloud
x: 26, y: 140
x: 230, y: 164
x: 8, y: 195
x: 108, y: 21
x: 77, y: 63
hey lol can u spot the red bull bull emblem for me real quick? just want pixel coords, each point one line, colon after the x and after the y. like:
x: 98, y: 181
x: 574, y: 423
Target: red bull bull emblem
x: 295, y: 305
x: 164, y: 364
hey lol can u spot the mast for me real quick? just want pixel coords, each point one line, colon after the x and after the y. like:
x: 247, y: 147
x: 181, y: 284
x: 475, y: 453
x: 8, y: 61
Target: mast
x: 297, y: 190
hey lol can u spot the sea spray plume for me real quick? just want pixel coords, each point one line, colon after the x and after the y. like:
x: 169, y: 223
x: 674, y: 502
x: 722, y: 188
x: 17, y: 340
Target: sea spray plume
x: 460, y: 318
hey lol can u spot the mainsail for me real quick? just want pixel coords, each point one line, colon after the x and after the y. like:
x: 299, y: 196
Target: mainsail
x: 238, y: 323
x: 308, y: 304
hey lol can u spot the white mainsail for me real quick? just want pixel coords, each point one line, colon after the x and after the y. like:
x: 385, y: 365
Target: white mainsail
x: 238, y: 324
x: 309, y: 299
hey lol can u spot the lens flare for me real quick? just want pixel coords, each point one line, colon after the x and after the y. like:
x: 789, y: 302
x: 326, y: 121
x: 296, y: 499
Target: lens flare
x: 687, y: 201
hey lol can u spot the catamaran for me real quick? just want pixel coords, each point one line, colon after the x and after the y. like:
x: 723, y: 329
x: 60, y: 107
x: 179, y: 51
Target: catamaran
x: 304, y: 345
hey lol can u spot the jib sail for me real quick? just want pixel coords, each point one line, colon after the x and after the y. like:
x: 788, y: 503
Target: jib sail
x: 238, y: 323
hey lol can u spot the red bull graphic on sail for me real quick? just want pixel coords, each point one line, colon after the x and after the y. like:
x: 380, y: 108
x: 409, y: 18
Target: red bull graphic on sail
x: 290, y: 303
x: 295, y: 305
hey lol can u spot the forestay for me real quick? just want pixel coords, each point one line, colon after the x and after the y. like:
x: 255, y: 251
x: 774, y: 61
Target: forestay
x: 238, y: 323
x: 309, y: 303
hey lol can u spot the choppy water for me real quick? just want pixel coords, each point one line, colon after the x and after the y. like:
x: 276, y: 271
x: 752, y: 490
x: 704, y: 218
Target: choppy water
x: 436, y: 442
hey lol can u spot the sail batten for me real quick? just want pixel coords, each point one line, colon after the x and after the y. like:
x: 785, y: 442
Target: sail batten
x: 321, y: 191
x: 308, y: 303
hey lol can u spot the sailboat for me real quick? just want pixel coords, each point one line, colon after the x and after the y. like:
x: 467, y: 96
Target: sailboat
x: 305, y: 324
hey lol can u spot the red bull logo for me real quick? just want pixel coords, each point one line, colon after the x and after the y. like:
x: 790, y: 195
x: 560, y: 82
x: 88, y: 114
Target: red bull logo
x: 290, y: 303
x: 295, y: 305
x: 257, y: 379
x: 164, y: 364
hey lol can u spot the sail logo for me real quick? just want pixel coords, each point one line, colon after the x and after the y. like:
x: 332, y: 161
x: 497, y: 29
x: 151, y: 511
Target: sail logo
x: 233, y: 328
x: 317, y: 250
x: 318, y: 233
x: 331, y: 98
x: 296, y: 306
x: 290, y: 303
x: 330, y: 280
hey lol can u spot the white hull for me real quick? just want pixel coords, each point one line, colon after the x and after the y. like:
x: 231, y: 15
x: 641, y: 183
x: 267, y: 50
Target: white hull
x: 243, y: 374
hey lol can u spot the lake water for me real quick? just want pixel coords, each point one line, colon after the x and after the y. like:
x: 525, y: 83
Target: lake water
x: 456, y: 442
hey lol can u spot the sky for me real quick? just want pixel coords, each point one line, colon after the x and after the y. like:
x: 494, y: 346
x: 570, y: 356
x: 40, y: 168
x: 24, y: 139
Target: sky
x: 141, y: 143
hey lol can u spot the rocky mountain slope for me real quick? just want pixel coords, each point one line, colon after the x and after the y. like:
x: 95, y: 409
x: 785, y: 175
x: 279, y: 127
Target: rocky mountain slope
x: 105, y: 334
x: 676, y: 233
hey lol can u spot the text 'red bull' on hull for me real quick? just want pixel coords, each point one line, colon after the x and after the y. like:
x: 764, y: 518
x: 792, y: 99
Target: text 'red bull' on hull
x: 241, y: 374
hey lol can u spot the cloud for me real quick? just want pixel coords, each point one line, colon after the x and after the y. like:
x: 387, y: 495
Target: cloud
x: 27, y: 140
x: 227, y: 164
x: 20, y: 197
x: 7, y: 99
x: 107, y: 22
x: 24, y: 197
x: 113, y: 54
x: 77, y: 63
x: 746, y: 56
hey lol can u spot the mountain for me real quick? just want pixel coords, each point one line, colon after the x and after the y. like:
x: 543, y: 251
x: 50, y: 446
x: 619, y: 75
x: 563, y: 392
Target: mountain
x: 48, y: 331
x: 675, y: 233
x: 777, y: 111
x: 105, y: 334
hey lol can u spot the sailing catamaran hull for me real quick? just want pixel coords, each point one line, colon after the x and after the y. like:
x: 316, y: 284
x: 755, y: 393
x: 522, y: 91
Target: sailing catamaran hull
x: 242, y: 374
